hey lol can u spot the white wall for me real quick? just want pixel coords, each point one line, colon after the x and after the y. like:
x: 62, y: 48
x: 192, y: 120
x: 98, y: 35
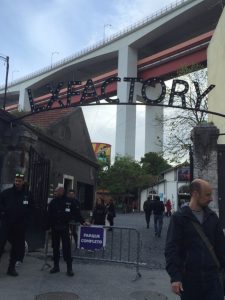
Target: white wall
x: 216, y: 75
x: 168, y: 188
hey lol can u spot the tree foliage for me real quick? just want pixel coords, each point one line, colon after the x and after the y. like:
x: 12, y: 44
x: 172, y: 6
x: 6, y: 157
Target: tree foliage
x: 153, y: 163
x: 128, y: 176
x: 178, y: 123
x: 124, y: 176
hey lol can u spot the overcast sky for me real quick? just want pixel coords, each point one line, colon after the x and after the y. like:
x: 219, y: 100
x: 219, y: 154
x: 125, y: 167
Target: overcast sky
x: 35, y: 33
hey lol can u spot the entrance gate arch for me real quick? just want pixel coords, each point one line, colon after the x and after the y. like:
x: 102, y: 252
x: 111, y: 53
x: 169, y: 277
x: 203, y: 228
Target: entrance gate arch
x: 87, y: 95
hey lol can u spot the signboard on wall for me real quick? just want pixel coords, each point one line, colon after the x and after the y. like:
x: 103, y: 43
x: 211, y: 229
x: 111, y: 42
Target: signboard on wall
x: 102, y: 152
x: 183, y: 174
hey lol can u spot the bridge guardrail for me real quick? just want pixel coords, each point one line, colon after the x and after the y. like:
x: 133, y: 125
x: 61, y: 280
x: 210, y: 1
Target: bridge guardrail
x: 113, y: 37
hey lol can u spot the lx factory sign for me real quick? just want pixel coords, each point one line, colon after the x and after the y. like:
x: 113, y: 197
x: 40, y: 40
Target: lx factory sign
x: 78, y: 94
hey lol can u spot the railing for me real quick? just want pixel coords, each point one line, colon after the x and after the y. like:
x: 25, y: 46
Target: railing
x: 123, y: 245
x: 104, y: 42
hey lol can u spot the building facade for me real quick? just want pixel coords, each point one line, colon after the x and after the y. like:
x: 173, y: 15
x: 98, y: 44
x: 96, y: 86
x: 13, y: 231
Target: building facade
x: 173, y: 184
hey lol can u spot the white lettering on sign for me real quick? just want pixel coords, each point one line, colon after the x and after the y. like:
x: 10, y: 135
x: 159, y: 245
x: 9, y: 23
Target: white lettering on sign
x: 91, y: 241
x: 92, y: 235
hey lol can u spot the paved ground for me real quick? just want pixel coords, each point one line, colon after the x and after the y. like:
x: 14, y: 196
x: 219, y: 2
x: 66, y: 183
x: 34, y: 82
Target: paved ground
x: 95, y: 281
x: 152, y: 250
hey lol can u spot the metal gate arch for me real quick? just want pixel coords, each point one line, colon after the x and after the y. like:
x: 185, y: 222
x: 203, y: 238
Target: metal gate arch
x: 38, y: 179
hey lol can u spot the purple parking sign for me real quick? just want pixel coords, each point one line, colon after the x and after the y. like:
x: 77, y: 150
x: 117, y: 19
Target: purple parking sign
x: 91, y: 237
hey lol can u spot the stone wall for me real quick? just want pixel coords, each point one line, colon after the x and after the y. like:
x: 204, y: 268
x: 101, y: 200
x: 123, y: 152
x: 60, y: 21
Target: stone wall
x: 16, y: 141
x: 204, y: 139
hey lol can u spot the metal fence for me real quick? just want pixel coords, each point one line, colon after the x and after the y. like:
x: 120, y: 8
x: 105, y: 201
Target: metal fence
x: 123, y: 245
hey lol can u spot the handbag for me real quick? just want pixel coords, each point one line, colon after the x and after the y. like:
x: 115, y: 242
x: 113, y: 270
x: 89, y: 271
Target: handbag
x: 221, y: 272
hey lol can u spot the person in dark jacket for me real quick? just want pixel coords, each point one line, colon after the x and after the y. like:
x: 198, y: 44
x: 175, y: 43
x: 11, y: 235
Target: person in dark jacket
x: 191, y: 267
x: 61, y: 211
x: 158, y: 211
x: 111, y: 213
x: 148, y: 207
x: 99, y: 213
x: 15, y: 213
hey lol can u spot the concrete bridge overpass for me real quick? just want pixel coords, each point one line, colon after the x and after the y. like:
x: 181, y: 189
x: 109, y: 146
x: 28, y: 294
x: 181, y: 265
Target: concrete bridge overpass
x: 158, y: 45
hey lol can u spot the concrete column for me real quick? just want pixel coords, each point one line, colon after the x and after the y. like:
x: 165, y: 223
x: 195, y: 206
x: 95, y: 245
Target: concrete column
x: 126, y: 115
x: 24, y: 104
x: 153, y: 129
x: 205, y: 166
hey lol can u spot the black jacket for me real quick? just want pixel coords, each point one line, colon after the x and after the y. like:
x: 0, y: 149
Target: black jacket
x: 61, y: 211
x: 15, y: 206
x: 99, y: 214
x: 148, y: 206
x: 77, y: 212
x: 110, y: 209
x: 185, y: 250
x: 158, y: 207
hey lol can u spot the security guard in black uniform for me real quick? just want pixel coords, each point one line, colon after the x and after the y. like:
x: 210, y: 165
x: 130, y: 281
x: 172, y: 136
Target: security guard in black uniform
x: 15, y: 213
x: 71, y: 194
x: 61, y: 211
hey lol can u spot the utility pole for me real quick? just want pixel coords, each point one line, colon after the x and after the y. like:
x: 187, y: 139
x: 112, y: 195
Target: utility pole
x: 105, y: 26
x: 6, y: 59
x: 14, y: 71
x: 54, y: 52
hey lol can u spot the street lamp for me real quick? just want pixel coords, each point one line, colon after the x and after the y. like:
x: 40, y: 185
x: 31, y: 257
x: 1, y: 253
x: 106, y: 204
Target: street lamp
x: 6, y: 59
x: 54, y: 52
x: 14, y: 71
x: 105, y: 26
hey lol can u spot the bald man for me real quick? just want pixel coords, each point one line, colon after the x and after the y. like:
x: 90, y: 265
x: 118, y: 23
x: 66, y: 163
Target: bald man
x: 61, y: 212
x: 189, y: 263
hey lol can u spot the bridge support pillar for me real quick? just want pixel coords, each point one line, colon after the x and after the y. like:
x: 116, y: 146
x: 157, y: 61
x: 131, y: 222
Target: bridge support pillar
x: 153, y: 129
x: 126, y: 115
x: 24, y: 104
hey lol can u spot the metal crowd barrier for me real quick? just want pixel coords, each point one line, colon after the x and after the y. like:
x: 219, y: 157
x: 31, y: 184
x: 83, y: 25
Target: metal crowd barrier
x: 123, y: 245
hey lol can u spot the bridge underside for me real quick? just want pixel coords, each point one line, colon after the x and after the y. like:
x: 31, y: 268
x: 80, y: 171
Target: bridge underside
x: 188, y: 24
x: 164, y: 64
x: 175, y: 39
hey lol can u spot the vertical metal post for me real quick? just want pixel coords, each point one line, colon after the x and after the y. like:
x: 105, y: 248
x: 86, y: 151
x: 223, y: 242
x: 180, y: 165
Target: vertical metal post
x: 191, y: 163
x: 6, y: 81
x: 6, y: 58
x: 138, y: 274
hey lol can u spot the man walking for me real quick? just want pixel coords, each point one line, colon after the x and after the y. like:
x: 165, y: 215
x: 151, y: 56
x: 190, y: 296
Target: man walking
x: 148, y: 206
x: 158, y: 211
x: 15, y: 212
x: 189, y: 260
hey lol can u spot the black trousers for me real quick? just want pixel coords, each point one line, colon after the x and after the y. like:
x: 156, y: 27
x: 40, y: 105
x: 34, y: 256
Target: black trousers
x: 64, y: 236
x: 15, y: 235
x: 111, y: 220
x: 147, y: 217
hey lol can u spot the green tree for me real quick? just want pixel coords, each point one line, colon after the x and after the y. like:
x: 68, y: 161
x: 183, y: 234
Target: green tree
x: 124, y: 176
x: 153, y: 163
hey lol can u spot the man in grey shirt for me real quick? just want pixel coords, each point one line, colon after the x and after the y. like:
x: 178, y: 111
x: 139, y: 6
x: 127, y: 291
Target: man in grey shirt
x: 193, y: 271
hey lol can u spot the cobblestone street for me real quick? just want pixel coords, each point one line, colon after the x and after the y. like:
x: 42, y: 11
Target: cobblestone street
x: 152, y: 248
